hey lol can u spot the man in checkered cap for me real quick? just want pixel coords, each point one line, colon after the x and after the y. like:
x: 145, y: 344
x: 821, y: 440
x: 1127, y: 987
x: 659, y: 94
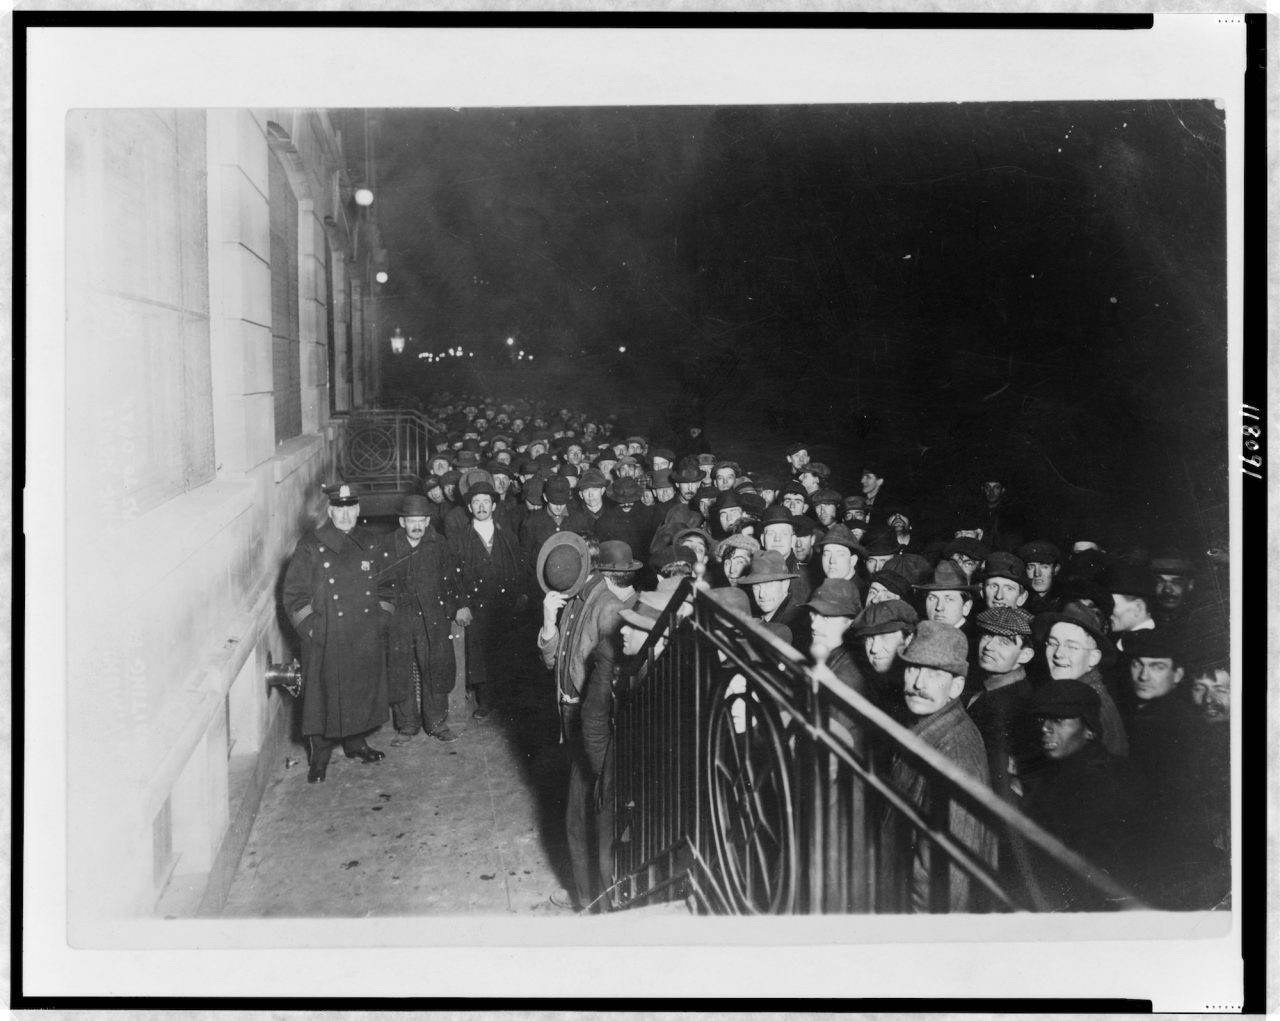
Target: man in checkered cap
x: 999, y: 707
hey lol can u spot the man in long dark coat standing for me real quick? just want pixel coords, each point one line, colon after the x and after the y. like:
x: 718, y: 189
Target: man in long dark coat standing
x: 492, y: 592
x: 421, y: 669
x: 340, y: 610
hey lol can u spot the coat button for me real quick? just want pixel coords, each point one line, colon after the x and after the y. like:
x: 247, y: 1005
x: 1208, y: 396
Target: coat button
x: 330, y: 581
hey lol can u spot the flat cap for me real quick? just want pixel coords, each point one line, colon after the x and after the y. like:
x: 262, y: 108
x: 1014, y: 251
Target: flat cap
x: 1039, y: 551
x: 885, y: 616
x: 1009, y: 621
x: 939, y: 646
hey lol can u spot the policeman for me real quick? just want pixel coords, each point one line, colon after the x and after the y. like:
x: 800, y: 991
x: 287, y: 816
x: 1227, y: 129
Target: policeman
x: 340, y: 611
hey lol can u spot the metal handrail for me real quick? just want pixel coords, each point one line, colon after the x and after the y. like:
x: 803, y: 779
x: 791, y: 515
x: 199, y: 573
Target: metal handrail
x: 385, y: 449
x: 796, y: 846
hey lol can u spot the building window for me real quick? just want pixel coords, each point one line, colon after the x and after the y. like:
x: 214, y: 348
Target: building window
x: 139, y: 386
x: 287, y: 374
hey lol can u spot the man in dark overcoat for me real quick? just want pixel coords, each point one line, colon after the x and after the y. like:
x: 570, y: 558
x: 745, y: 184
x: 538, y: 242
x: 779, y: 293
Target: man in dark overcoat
x: 491, y: 568
x: 421, y: 670
x: 340, y: 610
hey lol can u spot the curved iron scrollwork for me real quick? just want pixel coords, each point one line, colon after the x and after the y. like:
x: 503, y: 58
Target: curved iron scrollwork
x: 753, y: 815
x: 372, y: 449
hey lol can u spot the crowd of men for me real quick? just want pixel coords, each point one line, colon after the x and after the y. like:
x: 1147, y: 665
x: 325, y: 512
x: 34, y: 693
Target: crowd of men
x: 1088, y: 686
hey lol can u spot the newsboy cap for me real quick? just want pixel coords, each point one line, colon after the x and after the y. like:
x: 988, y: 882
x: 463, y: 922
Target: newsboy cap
x: 885, y: 616
x: 1009, y: 621
x: 624, y: 490
x: 939, y: 646
x: 1039, y: 551
x: 966, y: 546
x: 1005, y: 565
x: 1068, y: 700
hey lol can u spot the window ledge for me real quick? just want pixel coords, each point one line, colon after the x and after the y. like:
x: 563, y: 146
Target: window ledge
x: 293, y: 453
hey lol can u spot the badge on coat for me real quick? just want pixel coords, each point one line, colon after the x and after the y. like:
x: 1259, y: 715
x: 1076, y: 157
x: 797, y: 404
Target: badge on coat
x: 366, y: 565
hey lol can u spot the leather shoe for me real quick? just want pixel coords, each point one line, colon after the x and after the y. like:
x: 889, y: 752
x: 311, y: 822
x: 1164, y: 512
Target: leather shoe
x: 317, y: 771
x: 443, y: 733
x: 482, y: 714
x: 364, y: 753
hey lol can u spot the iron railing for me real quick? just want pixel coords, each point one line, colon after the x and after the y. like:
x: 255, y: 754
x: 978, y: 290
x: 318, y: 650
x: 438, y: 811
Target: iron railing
x: 750, y: 780
x: 385, y: 450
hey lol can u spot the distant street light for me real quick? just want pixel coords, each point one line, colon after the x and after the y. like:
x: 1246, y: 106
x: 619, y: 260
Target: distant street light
x: 622, y: 349
x: 381, y: 276
x: 511, y: 341
x: 364, y: 197
x: 397, y: 342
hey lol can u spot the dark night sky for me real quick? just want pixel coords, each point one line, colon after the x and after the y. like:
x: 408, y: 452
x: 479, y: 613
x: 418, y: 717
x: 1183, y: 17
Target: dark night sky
x: 1042, y: 278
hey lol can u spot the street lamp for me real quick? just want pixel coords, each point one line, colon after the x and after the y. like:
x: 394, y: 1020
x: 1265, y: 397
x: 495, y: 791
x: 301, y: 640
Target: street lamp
x: 364, y: 197
x: 511, y: 341
x: 397, y: 342
x: 381, y: 276
x: 622, y: 349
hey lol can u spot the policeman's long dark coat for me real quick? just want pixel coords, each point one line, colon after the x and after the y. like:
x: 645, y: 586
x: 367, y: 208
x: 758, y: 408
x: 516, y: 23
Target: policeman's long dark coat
x: 340, y: 611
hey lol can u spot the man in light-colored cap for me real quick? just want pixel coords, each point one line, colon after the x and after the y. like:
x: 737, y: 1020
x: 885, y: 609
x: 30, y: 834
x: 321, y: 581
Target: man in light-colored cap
x: 933, y: 683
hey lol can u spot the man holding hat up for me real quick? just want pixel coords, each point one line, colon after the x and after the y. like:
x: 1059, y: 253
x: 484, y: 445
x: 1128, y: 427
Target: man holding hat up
x: 420, y: 665
x: 340, y: 611
x: 933, y: 683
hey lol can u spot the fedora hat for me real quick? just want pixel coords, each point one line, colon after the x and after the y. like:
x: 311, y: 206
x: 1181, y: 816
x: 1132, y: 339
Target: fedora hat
x: 836, y: 597
x: 768, y: 565
x: 564, y: 563
x: 947, y: 577
x: 839, y: 535
x: 1129, y: 580
x: 647, y: 610
x: 881, y: 542
x: 624, y: 490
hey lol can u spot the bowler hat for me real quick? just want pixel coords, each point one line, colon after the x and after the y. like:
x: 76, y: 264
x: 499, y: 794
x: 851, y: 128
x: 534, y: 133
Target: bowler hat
x: 556, y: 490
x: 777, y: 515
x: 466, y: 459
x: 947, y: 577
x: 624, y: 490
x: 341, y: 494
x: 939, y: 646
x: 1008, y: 621
x: 885, y: 616
x: 1129, y: 580
x: 532, y: 492
x: 1005, y: 565
x: 1068, y: 700
x: 615, y: 555
x: 686, y: 475
x: 768, y: 565
x: 727, y: 500
x: 415, y: 506
x: 1039, y: 551
x: 481, y: 488
x: 661, y: 478
x: 563, y: 563
x: 836, y: 597
x: 839, y: 535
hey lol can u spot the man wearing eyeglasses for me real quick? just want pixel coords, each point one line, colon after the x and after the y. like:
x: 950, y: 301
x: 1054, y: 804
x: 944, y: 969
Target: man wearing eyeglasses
x: 1074, y: 648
